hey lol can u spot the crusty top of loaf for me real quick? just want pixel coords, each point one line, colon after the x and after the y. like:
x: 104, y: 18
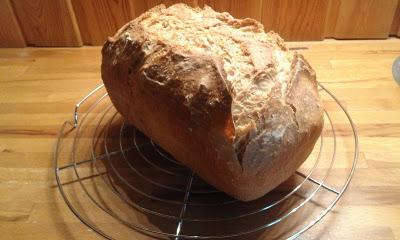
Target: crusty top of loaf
x: 256, y: 65
x: 254, y: 61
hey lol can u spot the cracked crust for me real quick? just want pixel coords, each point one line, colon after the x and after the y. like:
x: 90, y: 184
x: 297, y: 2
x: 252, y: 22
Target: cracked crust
x: 243, y: 117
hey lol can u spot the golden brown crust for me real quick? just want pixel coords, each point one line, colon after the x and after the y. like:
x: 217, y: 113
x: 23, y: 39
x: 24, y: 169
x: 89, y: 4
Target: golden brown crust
x: 183, y: 101
x: 161, y: 95
x: 291, y: 129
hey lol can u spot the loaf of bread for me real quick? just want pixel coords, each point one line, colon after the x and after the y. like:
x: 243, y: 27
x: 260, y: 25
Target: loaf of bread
x: 223, y: 97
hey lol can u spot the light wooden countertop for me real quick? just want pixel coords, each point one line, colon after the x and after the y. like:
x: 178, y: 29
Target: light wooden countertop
x: 39, y: 87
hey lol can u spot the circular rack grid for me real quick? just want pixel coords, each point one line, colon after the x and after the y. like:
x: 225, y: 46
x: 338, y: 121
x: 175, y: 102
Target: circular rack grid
x: 115, y: 181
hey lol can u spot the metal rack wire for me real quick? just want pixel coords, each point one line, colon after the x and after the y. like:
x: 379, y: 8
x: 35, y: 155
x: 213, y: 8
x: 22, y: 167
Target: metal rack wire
x: 115, y: 181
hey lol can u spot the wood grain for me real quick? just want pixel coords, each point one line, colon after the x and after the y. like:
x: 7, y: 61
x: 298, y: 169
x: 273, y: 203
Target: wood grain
x: 296, y: 20
x: 364, y: 18
x: 10, y: 32
x: 48, y: 22
x: 98, y: 20
x: 395, y: 29
x: 71, y: 22
x: 331, y: 18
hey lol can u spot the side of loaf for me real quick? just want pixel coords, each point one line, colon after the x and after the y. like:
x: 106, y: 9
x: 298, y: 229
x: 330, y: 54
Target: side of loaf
x: 223, y: 97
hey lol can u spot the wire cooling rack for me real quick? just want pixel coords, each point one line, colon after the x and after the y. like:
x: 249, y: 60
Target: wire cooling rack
x: 120, y: 184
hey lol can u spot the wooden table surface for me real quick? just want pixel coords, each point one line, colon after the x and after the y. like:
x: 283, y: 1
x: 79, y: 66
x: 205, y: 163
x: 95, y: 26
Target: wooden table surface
x: 39, y: 86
